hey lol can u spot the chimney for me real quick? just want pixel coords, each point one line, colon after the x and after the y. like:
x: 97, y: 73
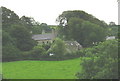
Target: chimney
x: 53, y: 32
x: 43, y: 31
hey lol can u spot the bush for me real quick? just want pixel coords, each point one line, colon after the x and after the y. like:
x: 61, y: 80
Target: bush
x: 100, y: 62
x: 58, y: 48
x: 23, y: 37
x: 38, y: 52
x: 10, y: 53
x: 46, y: 46
x: 26, y: 55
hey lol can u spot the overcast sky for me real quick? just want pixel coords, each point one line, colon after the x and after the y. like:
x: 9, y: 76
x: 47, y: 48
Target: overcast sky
x: 46, y: 11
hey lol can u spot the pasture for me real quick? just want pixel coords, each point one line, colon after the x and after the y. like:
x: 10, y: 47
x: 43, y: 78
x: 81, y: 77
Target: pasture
x: 41, y: 69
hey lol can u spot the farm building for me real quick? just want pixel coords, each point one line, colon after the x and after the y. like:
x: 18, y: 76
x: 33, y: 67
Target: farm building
x: 110, y: 37
x: 49, y: 38
x: 73, y: 46
x: 45, y: 37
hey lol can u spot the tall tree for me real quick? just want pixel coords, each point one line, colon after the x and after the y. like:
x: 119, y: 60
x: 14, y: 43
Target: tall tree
x: 58, y: 48
x: 16, y: 31
x: 100, y: 62
x: 64, y: 18
x: 81, y: 26
x: 45, y: 27
x: 23, y: 37
x: 28, y: 22
x: 8, y: 18
x: 91, y: 34
x: 112, y: 24
x: 85, y: 32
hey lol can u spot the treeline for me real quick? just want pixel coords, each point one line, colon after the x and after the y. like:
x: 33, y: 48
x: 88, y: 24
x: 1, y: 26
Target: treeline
x: 73, y: 25
x: 17, y: 39
x: 16, y: 35
x: 84, y: 28
x: 17, y: 42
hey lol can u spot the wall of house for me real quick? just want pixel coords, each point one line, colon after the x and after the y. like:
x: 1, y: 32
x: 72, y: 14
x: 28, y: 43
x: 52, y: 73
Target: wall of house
x: 45, y: 41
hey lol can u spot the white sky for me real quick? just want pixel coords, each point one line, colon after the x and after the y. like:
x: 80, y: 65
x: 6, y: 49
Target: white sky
x: 46, y: 11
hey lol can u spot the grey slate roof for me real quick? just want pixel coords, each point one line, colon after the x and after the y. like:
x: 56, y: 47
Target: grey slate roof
x: 43, y: 37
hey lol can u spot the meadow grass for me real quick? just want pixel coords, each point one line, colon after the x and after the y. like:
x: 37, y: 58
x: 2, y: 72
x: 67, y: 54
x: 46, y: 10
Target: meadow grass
x: 0, y: 67
x: 41, y: 69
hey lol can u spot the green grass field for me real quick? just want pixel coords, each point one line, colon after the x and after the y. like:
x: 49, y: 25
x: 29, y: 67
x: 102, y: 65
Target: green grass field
x: 41, y: 69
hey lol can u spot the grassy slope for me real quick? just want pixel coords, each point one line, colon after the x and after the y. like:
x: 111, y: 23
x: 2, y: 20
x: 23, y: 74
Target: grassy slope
x: 0, y: 68
x: 41, y: 69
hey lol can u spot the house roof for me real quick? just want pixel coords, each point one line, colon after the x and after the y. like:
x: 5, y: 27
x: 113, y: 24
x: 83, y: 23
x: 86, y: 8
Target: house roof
x: 72, y: 43
x: 43, y: 36
x: 72, y: 46
x: 110, y: 38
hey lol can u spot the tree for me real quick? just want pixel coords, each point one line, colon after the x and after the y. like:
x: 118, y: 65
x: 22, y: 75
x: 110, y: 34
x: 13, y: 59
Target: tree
x: 37, y: 29
x: 58, y: 48
x: 23, y: 38
x: 91, y: 33
x: 9, y: 50
x: 6, y: 38
x: 81, y: 26
x: 16, y: 36
x: 45, y: 27
x: 8, y: 18
x: 112, y: 23
x: 28, y: 22
x: 113, y: 30
x: 64, y: 18
x: 10, y: 53
x: 100, y: 62
x: 38, y: 52
x: 85, y: 32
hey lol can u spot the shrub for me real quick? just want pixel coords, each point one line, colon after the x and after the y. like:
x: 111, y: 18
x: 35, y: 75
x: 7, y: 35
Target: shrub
x: 58, y: 48
x: 26, y: 55
x: 100, y: 62
x: 10, y: 53
x: 38, y: 52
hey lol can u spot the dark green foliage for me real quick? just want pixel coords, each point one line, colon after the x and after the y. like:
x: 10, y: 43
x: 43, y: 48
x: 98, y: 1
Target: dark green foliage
x: 19, y: 32
x: 58, y: 48
x: 28, y: 22
x: 6, y: 38
x: 113, y: 31
x: 66, y: 15
x: 16, y: 38
x: 23, y: 37
x: 45, y: 27
x: 38, y: 52
x: 100, y: 62
x: 111, y: 24
x: 91, y: 33
x: 37, y: 29
x: 82, y: 27
x: 10, y: 53
x: 84, y: 32
x: 8, y: 18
